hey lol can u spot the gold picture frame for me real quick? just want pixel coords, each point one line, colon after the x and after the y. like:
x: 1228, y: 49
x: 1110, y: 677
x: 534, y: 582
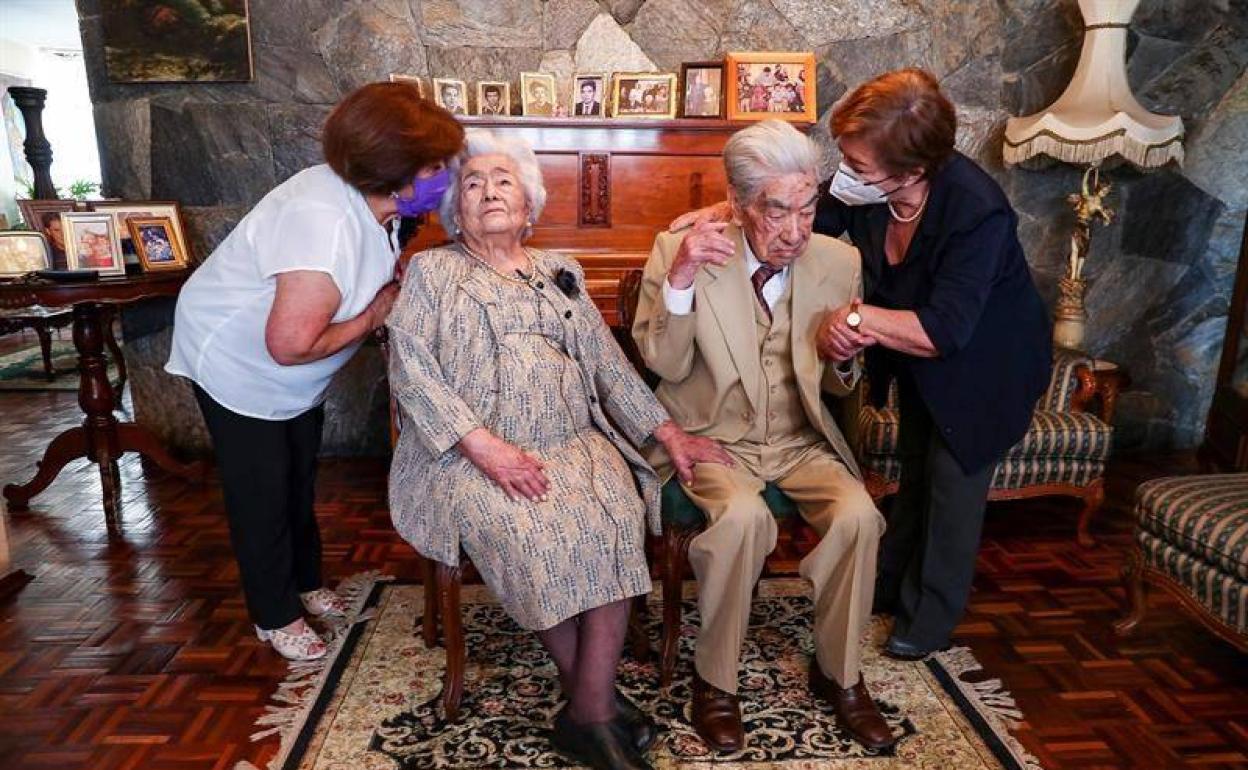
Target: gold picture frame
x: 484, y: 88
x: 156, y: 242
x: 444, y: 95
x: 771, y: 84
x: 644, y: 95
x: 22, y: 252
x: 416, y: 80
x: 601, y: 82
x: 124, y: 210
x: 531, y: 85
x: 91, y: 243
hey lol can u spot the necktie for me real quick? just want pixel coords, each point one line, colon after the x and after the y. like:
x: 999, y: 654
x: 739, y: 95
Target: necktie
x: 760, y: 278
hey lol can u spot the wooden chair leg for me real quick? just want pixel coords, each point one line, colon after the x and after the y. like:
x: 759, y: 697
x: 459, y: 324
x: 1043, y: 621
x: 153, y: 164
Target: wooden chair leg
x: 1137, y: 594
x: 639, y: 640
x: 429, y: 618
x: 675, y: 552
x: 1092, y: 500
x: 45, y: 348
x: 449, y: 580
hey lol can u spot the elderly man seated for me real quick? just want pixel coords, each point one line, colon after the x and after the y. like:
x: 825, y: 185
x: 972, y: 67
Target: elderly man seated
x: 731, y: 317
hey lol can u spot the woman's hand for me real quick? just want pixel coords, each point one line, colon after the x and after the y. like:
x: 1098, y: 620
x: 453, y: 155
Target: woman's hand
x: 836, y: 340
x: 508, y: 466
x: 705, y: 244
x: 379, y: 308
x: 716, y: 212
x: 687, y: 450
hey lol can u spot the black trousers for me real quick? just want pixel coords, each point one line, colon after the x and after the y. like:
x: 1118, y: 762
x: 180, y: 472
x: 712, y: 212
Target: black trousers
x: 268, y: 472
x: 927, y: 558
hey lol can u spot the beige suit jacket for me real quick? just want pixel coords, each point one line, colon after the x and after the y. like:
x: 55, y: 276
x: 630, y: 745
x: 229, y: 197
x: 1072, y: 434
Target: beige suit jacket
x: 709, y: 359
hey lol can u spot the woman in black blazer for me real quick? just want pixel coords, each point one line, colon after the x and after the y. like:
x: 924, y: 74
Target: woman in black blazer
x: 951, y: 315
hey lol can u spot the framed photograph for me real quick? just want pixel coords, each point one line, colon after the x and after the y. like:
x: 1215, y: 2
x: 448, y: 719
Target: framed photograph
x: 537, y: 94
x: 702, y: 89
x: 415, y: 80
x: 644, y: 95
x: 154, y: 240
x: 451, y: 95
x: 165, y: 42
x: 91, y: 243
x: 22, y: 252
x: 589, y: 94
x: 493, y: 97
x: 121, y: 211
x: 771, y: 85
x: 44, y: 217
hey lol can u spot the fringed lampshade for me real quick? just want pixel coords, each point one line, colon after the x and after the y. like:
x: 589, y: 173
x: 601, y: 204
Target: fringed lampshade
x: 1097, y: 116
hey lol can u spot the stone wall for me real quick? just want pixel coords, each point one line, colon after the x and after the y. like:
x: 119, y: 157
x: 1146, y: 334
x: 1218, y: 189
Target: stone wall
x: 1160, y: 276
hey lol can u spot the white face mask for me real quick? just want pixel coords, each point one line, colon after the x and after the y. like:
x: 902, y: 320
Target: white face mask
x: 850, y: 190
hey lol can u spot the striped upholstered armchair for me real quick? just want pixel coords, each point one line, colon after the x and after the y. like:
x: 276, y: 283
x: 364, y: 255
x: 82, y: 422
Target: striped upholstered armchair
x: 1063, y: 452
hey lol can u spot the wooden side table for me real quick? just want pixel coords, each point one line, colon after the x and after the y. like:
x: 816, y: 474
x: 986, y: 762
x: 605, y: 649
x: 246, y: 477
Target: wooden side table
x: 101, y: 438
x: 1111, y: 379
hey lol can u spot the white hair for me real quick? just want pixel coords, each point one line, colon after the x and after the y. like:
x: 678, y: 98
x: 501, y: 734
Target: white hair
x: 479, y: 141
x: 768, y: 149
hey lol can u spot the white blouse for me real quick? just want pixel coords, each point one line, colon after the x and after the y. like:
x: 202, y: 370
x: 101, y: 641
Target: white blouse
x: 312, y: 221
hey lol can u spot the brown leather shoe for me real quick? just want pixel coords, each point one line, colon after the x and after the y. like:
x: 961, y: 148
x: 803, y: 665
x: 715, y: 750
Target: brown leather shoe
x: 717, y: 716
x: 855, y: 710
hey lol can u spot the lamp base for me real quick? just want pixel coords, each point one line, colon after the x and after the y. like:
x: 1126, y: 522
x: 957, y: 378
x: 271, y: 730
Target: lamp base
x: 1070, y: 320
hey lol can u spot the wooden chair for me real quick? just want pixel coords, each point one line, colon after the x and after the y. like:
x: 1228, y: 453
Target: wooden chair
x: 682, y: 519
x: 442, y: 619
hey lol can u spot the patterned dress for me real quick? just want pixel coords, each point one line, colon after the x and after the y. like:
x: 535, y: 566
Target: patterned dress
x: 584, y: 546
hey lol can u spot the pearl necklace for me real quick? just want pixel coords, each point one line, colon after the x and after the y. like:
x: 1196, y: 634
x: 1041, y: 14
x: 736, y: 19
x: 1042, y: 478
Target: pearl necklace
x: 918, y: 212
x: 521, y: 278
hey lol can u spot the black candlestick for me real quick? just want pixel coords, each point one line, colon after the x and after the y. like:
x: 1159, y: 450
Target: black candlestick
x: 38, y: 152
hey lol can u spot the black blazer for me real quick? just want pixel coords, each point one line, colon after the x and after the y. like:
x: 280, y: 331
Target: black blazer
x: 976, y: 301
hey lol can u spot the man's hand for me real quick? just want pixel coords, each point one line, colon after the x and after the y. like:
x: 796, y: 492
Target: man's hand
x: 716, y: 212
x: 687, y: 450
x: 836, y: 341
x: 706, y: 244
x: 515, y: 471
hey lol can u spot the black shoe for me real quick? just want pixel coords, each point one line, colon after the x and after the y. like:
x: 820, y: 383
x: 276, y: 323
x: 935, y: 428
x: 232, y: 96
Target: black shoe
x: 898, y: 649
x: 638, y: 724
x: 600, y: 745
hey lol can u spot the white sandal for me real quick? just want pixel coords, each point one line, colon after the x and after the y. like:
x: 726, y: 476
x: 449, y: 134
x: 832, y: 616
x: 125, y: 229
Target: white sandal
x: 294, y: 646
x: 323, y: 601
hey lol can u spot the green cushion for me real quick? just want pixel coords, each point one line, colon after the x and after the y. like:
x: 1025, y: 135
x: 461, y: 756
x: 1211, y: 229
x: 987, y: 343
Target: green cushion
x: 680, y: 512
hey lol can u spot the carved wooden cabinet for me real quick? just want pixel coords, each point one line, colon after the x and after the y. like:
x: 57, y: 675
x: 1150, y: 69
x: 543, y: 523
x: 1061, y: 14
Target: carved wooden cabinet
x: 612, y: 185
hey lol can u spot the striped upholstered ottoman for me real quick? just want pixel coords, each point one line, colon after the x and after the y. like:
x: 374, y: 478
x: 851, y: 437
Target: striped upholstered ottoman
x: 1191, y: 538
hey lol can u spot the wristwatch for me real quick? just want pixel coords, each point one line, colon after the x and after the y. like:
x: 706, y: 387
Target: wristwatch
x: 854, y: 319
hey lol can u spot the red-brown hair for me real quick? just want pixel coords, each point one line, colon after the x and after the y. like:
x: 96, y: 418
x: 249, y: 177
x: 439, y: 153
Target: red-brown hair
x: 903, y: 115
x: 381, y: 134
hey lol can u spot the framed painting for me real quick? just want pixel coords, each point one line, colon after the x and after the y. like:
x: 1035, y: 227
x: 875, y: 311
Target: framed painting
x: 414, y: 80
x: 537, y: 94
x: 493, y: 97
x: 44, y: 217
x: 644, y: 95
x: 146, y: 41
x: 22, y: 252
x: 702, y: 89
x: 91, y: 243
x: 121, y: 211
x: 157, y: 243
x: 589, y: 94
x: 451, y: 95
x: 771, y: 85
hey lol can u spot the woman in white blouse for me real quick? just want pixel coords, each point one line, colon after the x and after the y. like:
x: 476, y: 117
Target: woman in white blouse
x: 277, y: 309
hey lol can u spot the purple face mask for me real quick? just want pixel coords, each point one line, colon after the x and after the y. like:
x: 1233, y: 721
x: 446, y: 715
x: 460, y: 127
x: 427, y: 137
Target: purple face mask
x: 426, y: 194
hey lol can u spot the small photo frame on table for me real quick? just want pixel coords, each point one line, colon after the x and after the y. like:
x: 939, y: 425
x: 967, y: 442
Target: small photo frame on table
x: 702, y: 89
x: 91, y: 243
x: 644, y: 95
x: 589, y: 95
x: 44, y: 217
x: 771, y: 85
x: 122, y: 211
x: 22, y: 252
x: 537, y: 94
x: 493, y: 97
x: 415, y: 80
x: 156, y: 243
x: 451, y: 95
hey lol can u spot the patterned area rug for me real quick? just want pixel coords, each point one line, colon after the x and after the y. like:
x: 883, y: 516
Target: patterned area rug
x: 373, y: 705
x: 23, y: 369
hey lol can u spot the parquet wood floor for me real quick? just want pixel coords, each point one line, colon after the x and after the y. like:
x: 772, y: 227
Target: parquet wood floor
x: 138, y: 653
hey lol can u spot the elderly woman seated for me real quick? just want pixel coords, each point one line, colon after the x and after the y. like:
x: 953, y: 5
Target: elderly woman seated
x: 522, y: 422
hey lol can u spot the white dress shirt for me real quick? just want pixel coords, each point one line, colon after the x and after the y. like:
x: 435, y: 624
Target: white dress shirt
x: 680, y: 301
